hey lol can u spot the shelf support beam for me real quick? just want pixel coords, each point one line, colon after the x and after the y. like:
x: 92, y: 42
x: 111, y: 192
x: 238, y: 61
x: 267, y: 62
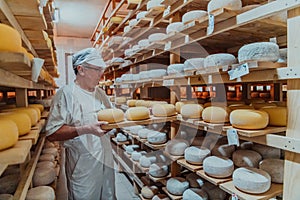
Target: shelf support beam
x: 21, y: 97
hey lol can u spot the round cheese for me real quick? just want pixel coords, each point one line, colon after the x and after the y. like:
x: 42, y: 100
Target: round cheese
x: 112, y: 115
x: 8, y: 133
x: 259, y: 51
x: 47, y: 157
x: 120, y: 100
x: 239, y: 106
x: 191, y: 111
x: 22, y: 121
x: 137, y: 113
x: 193, y: 15
x: 155, y: 4
x: 121, y: 138
x: 39, y: 106
x: 177, y: 185
x: 157, y: 73
x: 215, y: 114
x: 144, y: 43
x: 155, y: 137
x: 163, y: 110
x: 134, y: 129
x: 220, y: 59
x: 226, y: 150
x: 146, y: 160
x: 158, y: 170
x: 156, y: 37
x: 261, y: 105
x: 249, y: 119
x: 196, y: 155
x: 143, y: 133
x: 116, y: 20
x: 45, y: 164
x: 139, y: 103
x: 246, y: 158
x: 6, y: 197
x: 274, y: 167
x: 43, y: 176
x: 266, y: 151
x: 194, y: 180
x: 144, y: 74
x: 53, y: 151
x: 251, y: 180
x: 31, y: 112
x: 131, y: 102
x: 135, y: 77
x: 214, y: 192
x: 179, y: 104
x: 160, y: 197
x: 149, y: 192
x: 174, y: 27
x: 136, y: 48
x: 246, y: 145
x: 194, y: 64
x: 126, y: 30
x: 41, y: 193
x: 131, y: 148
x: 277, y: 115
x: 9, y: 183
x: 141, y: 15
x: 194, y: 194
x: 228, y: 4
x: 136, y: 155
x: 132, y: 22
x: 218, y: 167
x: 175, y: 69
x: 176, y: 147
x: 10, y: 39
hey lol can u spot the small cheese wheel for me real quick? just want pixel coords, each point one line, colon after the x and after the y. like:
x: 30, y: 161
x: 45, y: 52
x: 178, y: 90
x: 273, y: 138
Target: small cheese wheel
x: 266, y: 151
x: 219, y: 59
x: 160, y: 197
x: 177, y: 185
x: 53, y: 151
x: 143, y: 133
x: 141, y: 15
x: 6, y: 197
x: 137, y: 113
x: 158, y: 170
x: 274, y: 167
x: 116, y: 20
x: 155, y: 137
x: 228, y: 4
x: 132, y: 22
x: 174, y: 27
x: 136, y: 155
x: 47, y: 157
x: 196, y: 155
x: 179, y: 104
x: 112, y: 115
x: 218, y: 167
x: 194, y: 64
x: 43, y: 176
x: 131, y: 102
x: 144, y: 43
x: 246, y: 145
x: 215, y: 114
x: 147, y: 160
x: 193, y: 15
x: 191, y: 111
x: 277, y: 115
x: 249, y: 119
x: 39, y: 106
x: 176, y: 147
x: 131, y: 148
x: 163, y: 110
x: 9, y: 183
x: 41, y: 192
x: 155, y: 4
x: 214, y: 192
x: 121, y: 138
x: 251, y: 180
x: 157, y: 73
x: 22, y: 121
x: 10, y: 39
x: 194, y: 180
x: 246, y: 158
x: 156, y: 37
x: 149, y: 192
x: 8, y: 133
x: 45, y: 164
x: 226, y: 150
x: 175, y: 69
x: 194, y: 194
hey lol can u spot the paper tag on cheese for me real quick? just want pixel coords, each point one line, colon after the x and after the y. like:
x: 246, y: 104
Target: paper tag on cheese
x: 168, y: 46
x: 211, y: 24
x: 167, y: 11
x: 239, y: 71
x: 186, y: 39
x: 234, y: 197
x: 233, y: 137
x: 168, y: 82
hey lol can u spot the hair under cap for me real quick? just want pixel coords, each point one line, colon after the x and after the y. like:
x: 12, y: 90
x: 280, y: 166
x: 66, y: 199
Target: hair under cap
x: 89, y: 56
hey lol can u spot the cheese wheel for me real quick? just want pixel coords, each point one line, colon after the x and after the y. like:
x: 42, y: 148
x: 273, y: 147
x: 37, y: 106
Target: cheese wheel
x: 144, y: 74
x: 53, y: 151
x: 194, y: 64
x: 175, y: 69
x: 191, y: 111
x: 132, y: 22
x: 194, y: 180
x: 45, y: 164
x: 194, y: 194
x: 149, y: 192
x: 218, y: 167
x: 274, y: 167
x: 31, y: 112
x: 116, y: 20
x: 261, y: 105
x: 179, y: 104
x: 174, y: 27
x: 266, y: 151
x: 157, y: 73
x: 141, y: 15
x: 226, y: 150
x: 139, y: 103
x: 146, y: 160
x: 239, y: 106
x: 131, y: 102
x: 143, y: 133
x: 43, y: 176
x: 39, y: 106
x: 228, y: 4
x: 41, y: 193
x: 156, y: 37
x: 251, y: 180
x: 10, y: 39
x: 126, y: 30
x: 131, y: 148
x: 177, y: 185
x: 134, y: 129
x: 8, y: 133
x: 219, y: 59
x: 249, y: 119
x: 6, y: 197
x: 196, y: 155
x: 259, y: 51
x: 277, y: 115
x: 121, y: 138
x: 47, y: 157
x: 9, y: 183
x: 112, y: 115
x: 126, y: 77
x: 22, y: 121
x: 135, y: 77
x: 155, y: 137
x: 214, y: 192
x: 193, y: 15
x: 155, y: 4
x: 120, y: 100
x: 137, y: 113
x: 215, y: 114
x: 163, y: 110
x: 176, y: 147
x: 246, y: 158
x: 158, y: 170
x: 144, y: 43
x: 160, y: 197
x: 136, y: 155
x: 246, y: 145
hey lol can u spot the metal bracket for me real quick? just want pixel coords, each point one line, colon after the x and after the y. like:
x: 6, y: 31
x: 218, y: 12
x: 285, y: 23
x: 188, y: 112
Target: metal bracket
x: 284, y: 142
x: 288, y: 73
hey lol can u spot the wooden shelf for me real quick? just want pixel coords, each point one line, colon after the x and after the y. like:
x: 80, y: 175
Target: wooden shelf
x: 155, y: 146
x: 173, y: 197
x: 255, y: 133
x: 16, y: 63
x: 189, y: 166
x: 131, y: 6
x: 33, y: 135
x: 39, y: 126
x: 173, y: 158
x: 215, y: 181
x: 2, y: 168
x: 162, y: 180
x: 276, y: 189
x: 16, y: 154
x: 45, y: 115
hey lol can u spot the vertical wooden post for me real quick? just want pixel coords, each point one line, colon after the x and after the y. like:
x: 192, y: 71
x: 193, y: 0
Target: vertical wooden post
x: 246, y: 91
x: 21, y: 97
x: 39, y: 94
x: 45, y: 93
x: 278, y: 95
x: 5, y: 96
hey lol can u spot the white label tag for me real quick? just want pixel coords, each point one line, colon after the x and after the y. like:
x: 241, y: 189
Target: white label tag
x: 233, y: 137
x: 168, y: 82
x: 167, y: 11
x: 239, y: 71
x: 186, y: 39
x: 168, y: 46
x: 211, y: 24
x: 209, y: 79
x: 189, y: 81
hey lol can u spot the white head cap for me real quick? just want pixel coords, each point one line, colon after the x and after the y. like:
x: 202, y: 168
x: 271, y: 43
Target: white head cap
x: 90, y: 56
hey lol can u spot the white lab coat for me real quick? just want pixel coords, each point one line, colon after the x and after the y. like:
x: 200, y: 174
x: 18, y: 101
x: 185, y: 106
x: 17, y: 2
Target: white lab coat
x: 89, y: 161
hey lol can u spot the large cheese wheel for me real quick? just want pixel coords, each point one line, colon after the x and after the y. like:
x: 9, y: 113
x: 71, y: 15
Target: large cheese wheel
x: 47, y: 157
x: 239, y: 106
x: 9, y: 183
x: 262, y: 105
x: 219, y: 167
x: 41, y: 193
x: 259, y: 51
x: 136, y: 155
x: 147, y: 160
x: 22, y: 121
x: 31, y: 112
x: 193, y: 15
x: 246, y: 158
x: 277, y: 115
x: 194, y: 64
x: 155, y: 4
x: 43, y: 176
x: 266, y: 151
x: 39, y: 106
x: 149, y: 192
x: 176, y: 147
x: 134, y: 129
x: 157, y: 73
x: 251, y: 180
x: 156, y: 37
x: 177, y: 185
x: 246, y: 145
x: 215, y: 114
x: 155, y: 137
x: 175, y: 69
x: 143, y: 133
x: 174, y: 27
x: 274, y: 167
x: 137, y: 113
x: 158, y: 170
x: 179, y: 104
x: 163, y: 110
x: 226, y: 150
x: 249, y: 119
x: 194, y: 194
x: 214, y: 192
x: 6, y: 197
x: 45, y: 164
x: 228, y: 4
x: 191, y: 111
x: 194, y: 180
x: 196, y: 155
x: 219, y: 59
x: 10, y: 39
x: 8, y: 133
x: 111, y: 115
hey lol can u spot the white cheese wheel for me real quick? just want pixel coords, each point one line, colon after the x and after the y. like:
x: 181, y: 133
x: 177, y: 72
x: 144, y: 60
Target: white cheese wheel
x: 239, y: 106
x: 117, y: 60
x: 155, y: 137
x: 116, y: 20
x: 112, y: 115
x: 274, y: 167
x: 174, y: 27
x: 219, y: 59
x: 133, y: 22
x: 43, y: 176
x: 249, y: 119
x: 251, y: 180
x: 277, y: 115
x: 191, y: 111
x: 146, y: 160
x: 139, y: 103
x: 136, y: 48
x: 143, y: 133
x: 266, y: 151
x: 126, y: 77
x: 175, y: 69
x: 157, y: 73
x: 194, y: 180
x: 163, y: 110
x: 131, y: 102
x: 228, y: 4
x: 127, y: 29
x: 156, y: 37
x: 196, y: 155
x: 259, y: 51
x: 131, y: 148
x: 45, y: 164
x: 136, y: 155
x: 179, y: 104
x: 218, y: 167
x: 177, y: 185
x: 194, y: 194
x: 194, y: 64
x: 215, y: 114
x: 41, y: 193
x: 226, y: 150
x: 158, y: 170
x: 134, y: 129
x: 120, y: 100
x: 214, y: 192
x: 155, y: 4
x: 149, y: 192
x: 193, y: 15
x: 160, y: 197
x: 9, y: 134
x: 144, y: 43
x: 9, y: 183
x: 121, y: 138
x: 52, y: 151
x: 141, y: 15
x: 176, y: 147
x: 10, y: 39
x: 137, y: 113
x: 246, y: 158
x: 6, y: 197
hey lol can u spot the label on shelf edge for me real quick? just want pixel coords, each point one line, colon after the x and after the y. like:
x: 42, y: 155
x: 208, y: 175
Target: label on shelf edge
x: 168, y: 82
x: 232, y: 136
x: 168, y: 46
x: 211, y: 24
x: 186, y: 39
x: 239, y: 71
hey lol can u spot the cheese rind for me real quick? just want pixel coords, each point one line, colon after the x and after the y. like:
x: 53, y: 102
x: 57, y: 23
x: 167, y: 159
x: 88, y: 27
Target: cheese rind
x: 176, y: 147
x: 191, y: 111
x: 163, y: 110
x: 10, y: 39
x: 196, y: 155
x: 41, y: 193
x: 8, y: 133
x: 137, y: 113
x: 249, y: 119
x: 158, y: 170
x: 277, y: 115
x: 177, y: 185
x: 274, y: 167
x: 174, y: 27
x: 215, y: 114
x: 43, y: 176
x: 194, y: 194
x: 219, y: 167
x: 112, y: 115
x: 193, y: 15
x: 246, y: 158
x: 219, y: 59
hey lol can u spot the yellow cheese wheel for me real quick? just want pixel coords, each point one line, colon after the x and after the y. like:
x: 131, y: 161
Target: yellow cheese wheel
x: 192, y: 111
x: 215, y: 114
x: 277, y: 115
x: 131, y: 102
x: 240, y: 106
x: 111, y: 115
x: 30, y: 56
x: 260, y: 105
x: 21, y: 119
x: 249, y: 119
x: 38, y: 111
x: 163, y: 110
x: 139, y: 103
x: 221, y: 104
x: 8, y: 133
x: 39, y: 106
x: 31, y: 112
x: 116, y: 20
x: 137, y: 113
x: 179, y: 104
x: 10, y: 39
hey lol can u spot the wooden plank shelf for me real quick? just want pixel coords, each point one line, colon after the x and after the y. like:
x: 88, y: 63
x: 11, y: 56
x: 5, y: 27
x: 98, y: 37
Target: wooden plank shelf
x: 173, y: 158
x: 33, y: 135
x: 2, y: 168
x: 208, y: 126
x: 173, y: 197
x: 155, y: 11
x: 143, y: 22
x: 17, y: 63
x: 162, y: 180
x: 131, y: 6
x: 215, y: 181
x: 276, y: 189
x: 16, y: 154
x: 155, y: 146
x: 189, y: 166
x: 255, y: 133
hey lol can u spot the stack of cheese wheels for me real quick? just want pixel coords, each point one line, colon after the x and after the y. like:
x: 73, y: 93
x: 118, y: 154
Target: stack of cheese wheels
x: 179, y: 104
x: 177, y: 185
x: 141, y: 15
x: 155, y: 137
x: 191, y: 111
x: 120, y: 100
x: 176, y: 147
x: 156, y: 37
x: 219, y: 59
x: 163, y: 110
x: 196, y: 155
x: 228, y: 4
x: 131, y: 102
x: 157, y: 73
x: 146, y: 160
x: 22, y: 121
x: 246, y: 158
x: 249, y: 119
x: 121, y: 138
x: 174, y: 27
x: 193, y: 15
x: 39, y: 106
x: 274, y: 113
x: 214, y: 192
x: 259, y: 51
x: 194, y: 180
x: 194, y: 64
x: 10, y: 39
x: 218, y: 167
x: 215, y: 114
x: 274, y: 167
x: 194, y: 193
x: 136, y: 155
x: 175, y: 69
x: 33, y: 113
x: 251, y: 180
x: 158, y: 170
x: 43, y: 176
x: 155, y: 5
x: 137, y: 113
x: 267, y: 151
x: 149, y: 191
x: 144, y: 43
x: 41, y: 192
x: 111, y: 115
x: 8, y: 133
x: 160, y: 197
